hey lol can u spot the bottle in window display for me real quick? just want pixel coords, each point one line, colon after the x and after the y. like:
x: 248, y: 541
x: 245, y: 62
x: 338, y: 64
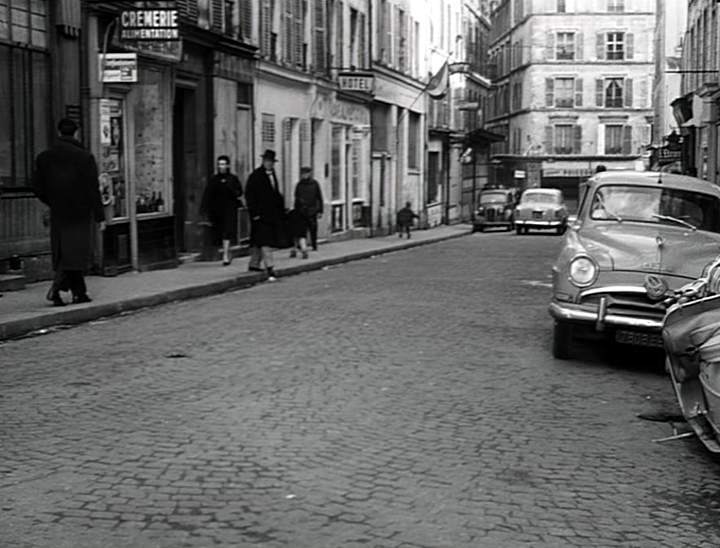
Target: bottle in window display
x: 160, y: 203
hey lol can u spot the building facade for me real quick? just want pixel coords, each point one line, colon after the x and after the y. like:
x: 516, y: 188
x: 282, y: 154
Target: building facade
x: 696, y: 109
x: 572, y: 88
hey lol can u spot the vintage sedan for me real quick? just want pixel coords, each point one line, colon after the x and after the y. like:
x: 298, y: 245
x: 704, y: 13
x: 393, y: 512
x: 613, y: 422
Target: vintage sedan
x: 495, y: 209
x: 541, y: 208
x: 636, y: 236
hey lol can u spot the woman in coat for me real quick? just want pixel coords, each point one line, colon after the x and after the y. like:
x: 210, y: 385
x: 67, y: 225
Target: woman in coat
x: 220, y: 202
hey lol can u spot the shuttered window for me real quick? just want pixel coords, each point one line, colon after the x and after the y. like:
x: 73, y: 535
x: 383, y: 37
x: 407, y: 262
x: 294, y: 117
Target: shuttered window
x: 319, y: 36
x: 245, y: 9
x: 267, y: 36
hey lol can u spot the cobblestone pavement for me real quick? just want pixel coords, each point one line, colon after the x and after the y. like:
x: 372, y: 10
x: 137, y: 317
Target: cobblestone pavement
x: 404, y: 401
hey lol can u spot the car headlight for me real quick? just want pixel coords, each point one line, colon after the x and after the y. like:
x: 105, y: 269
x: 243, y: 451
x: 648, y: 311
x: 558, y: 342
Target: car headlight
x: 583, y: 271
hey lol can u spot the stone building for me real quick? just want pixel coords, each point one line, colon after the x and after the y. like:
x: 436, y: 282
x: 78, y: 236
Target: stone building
x: 696, y: 109
x: 572, y: 88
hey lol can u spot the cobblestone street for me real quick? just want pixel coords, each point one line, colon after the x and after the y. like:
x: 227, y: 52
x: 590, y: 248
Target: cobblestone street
x: 409, y: 400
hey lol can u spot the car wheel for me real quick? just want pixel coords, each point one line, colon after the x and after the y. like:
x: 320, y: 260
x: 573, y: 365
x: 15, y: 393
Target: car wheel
x: 526, y: 230
x: 561, y: 230
x: 562, y: 337
x: 481, y: 228
x: 518, y: 229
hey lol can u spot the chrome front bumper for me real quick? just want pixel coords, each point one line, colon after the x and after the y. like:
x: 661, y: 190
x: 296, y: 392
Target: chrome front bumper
x: 539, y: 224
x: 582, y: 314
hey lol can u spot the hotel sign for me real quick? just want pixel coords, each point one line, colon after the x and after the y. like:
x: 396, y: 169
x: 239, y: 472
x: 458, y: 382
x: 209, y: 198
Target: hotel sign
x: 363, y: 82
x: 149, y: 24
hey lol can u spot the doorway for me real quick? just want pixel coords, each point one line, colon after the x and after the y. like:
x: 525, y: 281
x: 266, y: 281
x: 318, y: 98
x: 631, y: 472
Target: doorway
x: 185, y: 169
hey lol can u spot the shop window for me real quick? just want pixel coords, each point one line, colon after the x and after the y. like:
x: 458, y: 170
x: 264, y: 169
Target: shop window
x: 25, y: 119
x: 335, y: 167
x: 111, y: 164
x: 150, y: 131
x: 413, y: 140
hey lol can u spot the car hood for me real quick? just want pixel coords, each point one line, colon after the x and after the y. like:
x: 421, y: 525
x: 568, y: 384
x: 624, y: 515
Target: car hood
x: 652, y: 248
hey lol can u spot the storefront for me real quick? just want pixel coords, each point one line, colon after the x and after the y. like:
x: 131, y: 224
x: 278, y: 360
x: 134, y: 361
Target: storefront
x: 131, y: 127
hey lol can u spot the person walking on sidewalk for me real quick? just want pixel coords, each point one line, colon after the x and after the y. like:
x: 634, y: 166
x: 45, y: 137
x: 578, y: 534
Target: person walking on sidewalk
x: 405, y: 219
x: 220, y: 203
x: 309, y: 202
x: 266, y: 207
x: 66, y: 179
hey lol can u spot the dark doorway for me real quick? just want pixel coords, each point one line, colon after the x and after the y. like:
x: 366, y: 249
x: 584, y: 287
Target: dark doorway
x: 185, y: 158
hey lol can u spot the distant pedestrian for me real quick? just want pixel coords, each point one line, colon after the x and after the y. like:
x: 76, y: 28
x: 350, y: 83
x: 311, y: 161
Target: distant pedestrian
x: 309, y: 202
x: 66, y: 179
x: 220, y: 202
x: 405, y: 218
x: 266, y: 207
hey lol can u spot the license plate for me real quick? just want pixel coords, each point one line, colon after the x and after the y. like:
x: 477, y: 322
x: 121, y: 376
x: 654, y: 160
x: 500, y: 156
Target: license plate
x: 639, y: 338
x: 537, y: 214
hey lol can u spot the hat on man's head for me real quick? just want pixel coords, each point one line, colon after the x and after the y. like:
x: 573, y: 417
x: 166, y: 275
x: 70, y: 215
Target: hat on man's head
x: 67, y: 126
x: 269, y: 155
x: 305, y: 169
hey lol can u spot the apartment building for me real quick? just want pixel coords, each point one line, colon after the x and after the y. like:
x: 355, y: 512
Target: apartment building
x: 572, y: 88
x: 696, y: 109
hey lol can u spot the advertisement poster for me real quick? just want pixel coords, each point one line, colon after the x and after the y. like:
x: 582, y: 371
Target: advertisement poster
x: 105, y: 130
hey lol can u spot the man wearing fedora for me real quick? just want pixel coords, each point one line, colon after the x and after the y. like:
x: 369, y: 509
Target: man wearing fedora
x: 266, y: 207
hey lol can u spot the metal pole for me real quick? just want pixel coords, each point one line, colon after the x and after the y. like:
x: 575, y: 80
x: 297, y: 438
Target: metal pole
x: 472, y: 213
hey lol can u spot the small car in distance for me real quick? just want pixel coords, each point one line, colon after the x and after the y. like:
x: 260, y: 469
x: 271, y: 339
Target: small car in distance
x: 541, y: 208
x: 495, y: 209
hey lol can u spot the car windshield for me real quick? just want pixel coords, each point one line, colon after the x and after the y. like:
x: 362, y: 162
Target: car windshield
x: 539, y: 198
x: 656, y: 205
x: 493, y: 197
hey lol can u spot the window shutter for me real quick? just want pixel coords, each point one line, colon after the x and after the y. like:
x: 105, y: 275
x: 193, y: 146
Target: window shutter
x: 577, y: 140
x: 188, y: 9
x: 246, y: 19
x: 299, y: 32
x: 643, y: 100
x: 629, y: 45
x: 549, y: 92
x: 578, y: 46
x: 550, y: 46
x: 217, y: 15
x: 548, y: 143
x: 627, y: 140
x: 600, y: 45
x: 319, y: 37
x: 266, y: 18
x: 578, y: 92
x: 599, y: 92
x: 628, y: 92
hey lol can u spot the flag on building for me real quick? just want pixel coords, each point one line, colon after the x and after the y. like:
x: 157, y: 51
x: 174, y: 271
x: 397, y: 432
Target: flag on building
x: 438, y: 85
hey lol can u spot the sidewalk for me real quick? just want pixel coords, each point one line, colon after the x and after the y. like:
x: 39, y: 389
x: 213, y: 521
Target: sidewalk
x: 25, y: 311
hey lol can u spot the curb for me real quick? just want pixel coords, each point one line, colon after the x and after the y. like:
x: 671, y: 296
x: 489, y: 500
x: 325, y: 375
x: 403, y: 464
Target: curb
x: 15, y: 329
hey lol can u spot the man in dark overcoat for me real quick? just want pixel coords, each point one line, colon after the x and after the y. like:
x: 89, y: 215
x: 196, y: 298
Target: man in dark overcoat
x: 66, y: 179
x: 266, y: 207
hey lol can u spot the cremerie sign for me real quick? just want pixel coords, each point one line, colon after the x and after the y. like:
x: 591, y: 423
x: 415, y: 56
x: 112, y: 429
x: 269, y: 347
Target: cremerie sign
x: 356, y: 81
x: 149, y: 24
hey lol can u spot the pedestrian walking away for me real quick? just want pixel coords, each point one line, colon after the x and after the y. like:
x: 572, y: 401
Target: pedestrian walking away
x: 309, y: 202
x: 405, y: 218
x: 66, y: 179
x: 220, y: 202
x: 298, y: 226
x: 266, y: 207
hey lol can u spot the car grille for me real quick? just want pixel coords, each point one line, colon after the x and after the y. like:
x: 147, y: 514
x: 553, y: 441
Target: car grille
x: 490, y: 214
x: 537, y: 214
x: 635, y: 305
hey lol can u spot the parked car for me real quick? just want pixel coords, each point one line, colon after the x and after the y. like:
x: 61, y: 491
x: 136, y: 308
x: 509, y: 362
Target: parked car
x: 541, y: 208
x: 636, y: 235
x: 495, y: 209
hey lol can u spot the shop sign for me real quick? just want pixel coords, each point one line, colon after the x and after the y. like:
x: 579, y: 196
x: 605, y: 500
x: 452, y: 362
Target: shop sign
x: 667, y: 156
x: 356, y: 81
x: 149, y: 24
x: 567, y: 172
x: 118, y: 67
x: 519, y: 174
